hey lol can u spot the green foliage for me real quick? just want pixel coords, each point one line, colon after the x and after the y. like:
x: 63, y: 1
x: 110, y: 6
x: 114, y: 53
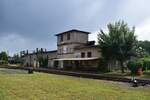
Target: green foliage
x: 139, y: 63
x: 146, y: 63
x: 141, y: 51
x: 119, y: 43
x: 143, y: 63
x: 102, y: 66
x: 3, y: 57
x: 3, y: 62
x: 43, y: 62
x: 145, y: 45
x: 17, y: 59
x: 134, y: 65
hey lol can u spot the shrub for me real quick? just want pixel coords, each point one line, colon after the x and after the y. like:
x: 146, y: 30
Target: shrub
x: 43, y: 62
x: 132, y: 66
x: 135, y: 65
x: 139, y: 63
x: 146, y: 63
x: 3, y: 62
x: 102, y: 65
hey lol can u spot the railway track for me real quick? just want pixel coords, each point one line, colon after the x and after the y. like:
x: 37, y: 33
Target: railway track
x: 83, y: 75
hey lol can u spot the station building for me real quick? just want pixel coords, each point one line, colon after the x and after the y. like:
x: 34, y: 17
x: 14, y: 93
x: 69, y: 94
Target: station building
x: 74, y: 51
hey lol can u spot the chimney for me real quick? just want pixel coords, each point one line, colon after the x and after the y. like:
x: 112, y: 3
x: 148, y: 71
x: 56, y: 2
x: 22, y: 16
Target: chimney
x: 37, y: 50
x: 27, y: 52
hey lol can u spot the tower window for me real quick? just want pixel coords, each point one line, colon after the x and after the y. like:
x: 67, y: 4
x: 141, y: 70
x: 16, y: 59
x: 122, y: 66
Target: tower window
x: 89, y: 54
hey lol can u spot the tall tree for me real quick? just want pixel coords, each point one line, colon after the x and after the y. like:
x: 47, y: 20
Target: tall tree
x: 4, y: 56
x: 118, y: 44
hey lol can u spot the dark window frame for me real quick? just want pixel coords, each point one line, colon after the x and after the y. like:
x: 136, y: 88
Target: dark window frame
x: 89, y: 54
x: 82, y: 54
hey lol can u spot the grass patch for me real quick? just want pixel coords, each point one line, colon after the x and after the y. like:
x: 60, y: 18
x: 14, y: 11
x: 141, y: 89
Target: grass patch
x: 146, y: 74
x: 41, y: 86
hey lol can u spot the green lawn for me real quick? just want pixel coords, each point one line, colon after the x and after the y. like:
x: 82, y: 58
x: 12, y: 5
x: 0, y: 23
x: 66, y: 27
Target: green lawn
x: 40, y: 86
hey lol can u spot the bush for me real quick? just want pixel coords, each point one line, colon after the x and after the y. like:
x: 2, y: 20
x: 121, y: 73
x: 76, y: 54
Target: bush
x: 3, y: 62
x: 132, y: 66
x: 146, y: 63
x: 139, y: 63
x: 43, y: 62
x: 135, y: 65
x: 102, y: 65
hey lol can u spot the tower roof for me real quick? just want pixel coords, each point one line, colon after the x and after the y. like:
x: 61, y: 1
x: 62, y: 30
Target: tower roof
x: 73, y: 30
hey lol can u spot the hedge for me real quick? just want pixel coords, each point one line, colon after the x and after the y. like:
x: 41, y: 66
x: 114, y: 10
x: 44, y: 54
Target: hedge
x: 135, y: 64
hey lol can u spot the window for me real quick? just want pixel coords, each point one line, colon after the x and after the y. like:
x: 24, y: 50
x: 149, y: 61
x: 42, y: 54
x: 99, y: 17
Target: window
x: 61, y: 37
x: 82, y: 54
x: 65, y: 49
x: 68, y: 36
x: 89, y: 54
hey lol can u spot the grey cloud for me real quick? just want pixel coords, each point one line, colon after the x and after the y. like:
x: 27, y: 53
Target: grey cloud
x: 38, y: 20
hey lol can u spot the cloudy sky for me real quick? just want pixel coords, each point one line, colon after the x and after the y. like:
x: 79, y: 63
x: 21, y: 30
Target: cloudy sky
x: 28, y: 24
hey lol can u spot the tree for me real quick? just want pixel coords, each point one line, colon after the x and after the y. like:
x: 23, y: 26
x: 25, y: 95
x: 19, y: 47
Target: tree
x: 4, y: 56
x: 145, y: 45
x: 118, y: 44
x: 141, y: 52
x: 17, y: 59
x: 43, y: 61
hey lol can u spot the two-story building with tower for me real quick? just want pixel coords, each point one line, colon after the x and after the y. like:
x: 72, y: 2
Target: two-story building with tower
x: 73, y: 51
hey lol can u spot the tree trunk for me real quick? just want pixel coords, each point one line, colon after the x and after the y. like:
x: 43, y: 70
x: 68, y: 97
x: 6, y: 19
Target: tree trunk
x: 122, y: 66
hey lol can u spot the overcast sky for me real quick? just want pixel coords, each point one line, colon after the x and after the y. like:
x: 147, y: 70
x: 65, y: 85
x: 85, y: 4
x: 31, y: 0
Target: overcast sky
x: 28, y: 24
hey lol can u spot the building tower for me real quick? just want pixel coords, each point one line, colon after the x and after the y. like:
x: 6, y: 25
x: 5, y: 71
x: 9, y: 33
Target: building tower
x: 67, y: 41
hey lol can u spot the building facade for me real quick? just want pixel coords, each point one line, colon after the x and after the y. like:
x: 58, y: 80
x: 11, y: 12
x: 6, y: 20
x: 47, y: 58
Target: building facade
x: 73, y: 51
